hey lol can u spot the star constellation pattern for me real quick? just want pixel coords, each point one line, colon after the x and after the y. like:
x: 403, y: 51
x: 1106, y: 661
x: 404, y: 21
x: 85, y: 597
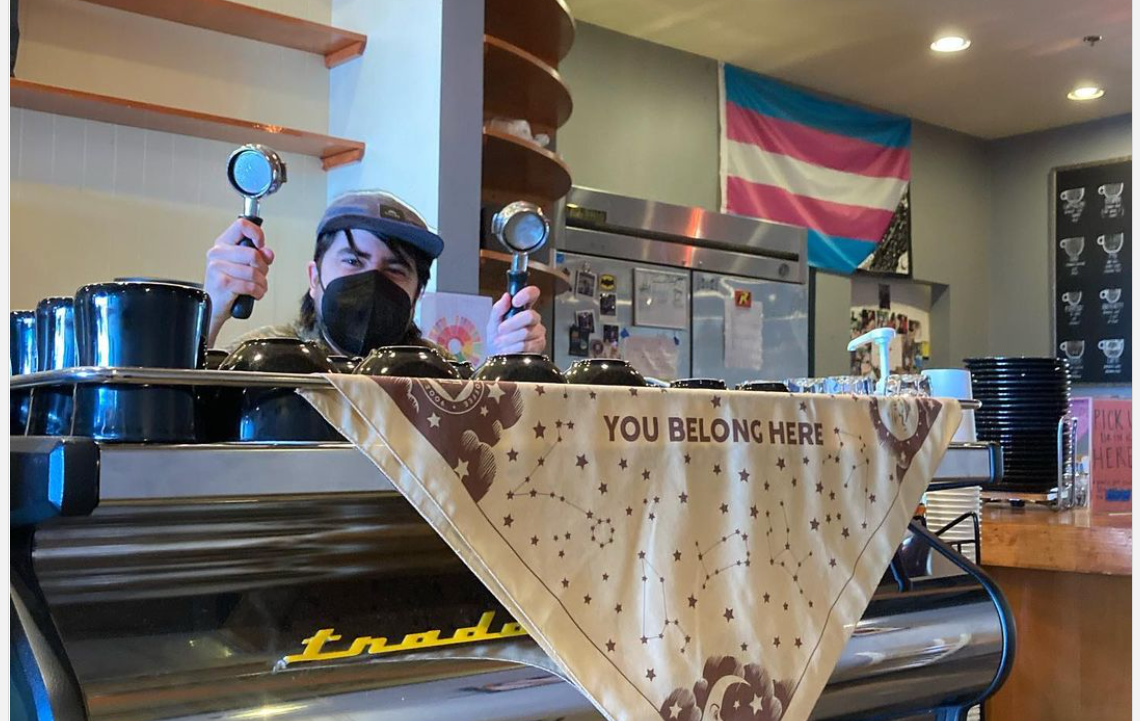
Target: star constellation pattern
x: 652, y: 579
x: 785, y: 550
x: 777, y: 556
x: 791, y: 544
x: 861, y: 468
x: 601, y: 528
x: 733, y: 561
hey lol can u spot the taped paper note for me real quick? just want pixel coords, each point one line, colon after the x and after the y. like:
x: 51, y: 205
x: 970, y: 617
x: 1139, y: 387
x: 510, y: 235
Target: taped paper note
x: 743, y: 333
x: 654, y: 356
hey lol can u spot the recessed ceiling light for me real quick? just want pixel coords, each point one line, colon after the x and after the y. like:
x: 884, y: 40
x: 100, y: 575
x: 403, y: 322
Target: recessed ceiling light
x: 1086, y: 92
x: 950, y: 44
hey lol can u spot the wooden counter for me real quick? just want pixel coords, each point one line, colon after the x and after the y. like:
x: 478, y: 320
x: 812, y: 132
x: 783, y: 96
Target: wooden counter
x: 1068, y: 579
x: 1073, y: 541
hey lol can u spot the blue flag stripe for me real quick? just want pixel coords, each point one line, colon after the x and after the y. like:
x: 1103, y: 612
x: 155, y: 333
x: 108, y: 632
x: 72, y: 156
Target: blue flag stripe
x: 839, y: 254
x: 774, y: 99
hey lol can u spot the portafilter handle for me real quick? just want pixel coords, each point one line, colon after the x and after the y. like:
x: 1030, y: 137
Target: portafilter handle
x: 254, y: 171
x: 243, y: 306
x: 517, y: 278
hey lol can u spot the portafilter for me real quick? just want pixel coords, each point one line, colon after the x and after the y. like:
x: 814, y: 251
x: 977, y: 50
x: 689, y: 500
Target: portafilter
x: 255, y: 171
x: 522, y: 229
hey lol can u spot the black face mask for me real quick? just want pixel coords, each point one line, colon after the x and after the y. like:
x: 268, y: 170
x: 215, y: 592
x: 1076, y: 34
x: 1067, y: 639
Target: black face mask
x: 364, y: 311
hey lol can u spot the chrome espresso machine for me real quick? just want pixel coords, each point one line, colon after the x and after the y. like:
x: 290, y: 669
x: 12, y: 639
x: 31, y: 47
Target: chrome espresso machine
x: 187, y: 582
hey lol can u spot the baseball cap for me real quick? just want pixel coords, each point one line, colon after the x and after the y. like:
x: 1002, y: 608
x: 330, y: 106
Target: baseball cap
x: 381, y: 213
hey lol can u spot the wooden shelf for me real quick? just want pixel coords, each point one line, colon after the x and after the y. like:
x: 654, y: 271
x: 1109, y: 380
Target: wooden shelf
x: 234, y: 18
x: 541, y: 27
x: 516, y: 169
x: 493, y: 267
x: 517, y: 84
x: 333, y: 152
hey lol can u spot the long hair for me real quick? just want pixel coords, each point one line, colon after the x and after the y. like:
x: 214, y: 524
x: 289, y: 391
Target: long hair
x: 410, y: 254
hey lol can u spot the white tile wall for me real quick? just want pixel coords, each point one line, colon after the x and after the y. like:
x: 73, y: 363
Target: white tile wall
x: 104, y: 50
x: 92, y: 201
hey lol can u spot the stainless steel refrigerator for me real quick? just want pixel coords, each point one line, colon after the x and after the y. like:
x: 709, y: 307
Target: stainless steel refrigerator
x: 680, y: 292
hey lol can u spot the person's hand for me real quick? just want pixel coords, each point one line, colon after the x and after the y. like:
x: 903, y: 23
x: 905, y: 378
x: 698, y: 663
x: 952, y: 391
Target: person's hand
x: 233, y: 270
x: 521, y: 333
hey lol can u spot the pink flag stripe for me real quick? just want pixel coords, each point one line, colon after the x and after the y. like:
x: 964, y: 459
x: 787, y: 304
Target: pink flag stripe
x: 838, y: 219
x: 819, y: 147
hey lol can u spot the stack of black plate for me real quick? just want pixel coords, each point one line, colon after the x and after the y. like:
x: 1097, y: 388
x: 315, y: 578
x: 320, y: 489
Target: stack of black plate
x: 1022, y: 401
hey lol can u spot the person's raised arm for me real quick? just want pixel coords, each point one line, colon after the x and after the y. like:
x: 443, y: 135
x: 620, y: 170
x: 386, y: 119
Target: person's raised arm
x: 233, y: 270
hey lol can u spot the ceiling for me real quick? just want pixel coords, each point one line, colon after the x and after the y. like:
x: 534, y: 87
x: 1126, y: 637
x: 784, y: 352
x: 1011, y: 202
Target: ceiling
x: 1026, y: 54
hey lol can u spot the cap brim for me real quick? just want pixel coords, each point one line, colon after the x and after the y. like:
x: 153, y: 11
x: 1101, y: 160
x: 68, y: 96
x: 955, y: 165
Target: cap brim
x: 420, y: 238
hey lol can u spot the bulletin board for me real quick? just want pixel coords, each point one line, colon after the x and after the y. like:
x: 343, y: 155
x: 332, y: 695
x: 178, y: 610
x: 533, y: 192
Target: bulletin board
x: 899, y: 304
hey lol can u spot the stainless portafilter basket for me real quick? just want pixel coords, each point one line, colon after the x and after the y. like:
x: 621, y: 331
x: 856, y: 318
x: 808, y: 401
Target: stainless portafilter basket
x: 522, y: 229
x: 254, y: 171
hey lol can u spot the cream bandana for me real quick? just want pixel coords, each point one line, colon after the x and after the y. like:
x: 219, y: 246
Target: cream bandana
x: 680, y: 554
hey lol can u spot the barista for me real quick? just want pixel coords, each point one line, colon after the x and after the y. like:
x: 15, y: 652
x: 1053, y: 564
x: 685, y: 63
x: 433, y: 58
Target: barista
x: 371, y: 263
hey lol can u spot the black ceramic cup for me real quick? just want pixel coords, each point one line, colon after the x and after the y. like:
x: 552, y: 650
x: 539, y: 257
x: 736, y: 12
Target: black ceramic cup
x: 139, y: 324
x: 214, y: 358
x: 463, y: 368
x: 605, y: 372
x: 407, y: 361
x: 202, y: 348
x: 23, y: 360
x: 273, y: 414
x: 345, y: 364
x: 710, y: 384
x: 519, y: 368
x: 51, y: 407
x: 212, y: 414
x: 762, y: 386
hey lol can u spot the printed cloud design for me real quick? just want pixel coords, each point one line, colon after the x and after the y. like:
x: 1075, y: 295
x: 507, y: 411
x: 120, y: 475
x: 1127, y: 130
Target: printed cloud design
x: 729, y: 691
x: 472, y: 412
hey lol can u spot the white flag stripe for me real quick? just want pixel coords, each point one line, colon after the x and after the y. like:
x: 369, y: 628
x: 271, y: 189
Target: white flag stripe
x: 795, y: 176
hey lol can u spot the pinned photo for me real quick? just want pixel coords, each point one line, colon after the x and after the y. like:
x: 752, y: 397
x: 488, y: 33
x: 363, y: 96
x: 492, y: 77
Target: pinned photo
x: 609, y: 303
x: 579, y: 342
x: 610, y: 333
x: 585, y: 321
x: 585, y: 283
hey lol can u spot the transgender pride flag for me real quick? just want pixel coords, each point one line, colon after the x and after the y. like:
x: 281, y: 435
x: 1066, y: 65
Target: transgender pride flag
x: 793, y: 157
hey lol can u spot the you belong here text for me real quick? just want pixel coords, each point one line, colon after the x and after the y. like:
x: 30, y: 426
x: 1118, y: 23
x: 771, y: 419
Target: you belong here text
x: 691, y: 429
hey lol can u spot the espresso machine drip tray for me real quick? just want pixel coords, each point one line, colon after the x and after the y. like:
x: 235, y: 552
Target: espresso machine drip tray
x: 246, y: 581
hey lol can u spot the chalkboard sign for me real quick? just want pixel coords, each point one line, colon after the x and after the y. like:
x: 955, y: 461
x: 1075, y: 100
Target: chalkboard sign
x: 1092, y: 270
